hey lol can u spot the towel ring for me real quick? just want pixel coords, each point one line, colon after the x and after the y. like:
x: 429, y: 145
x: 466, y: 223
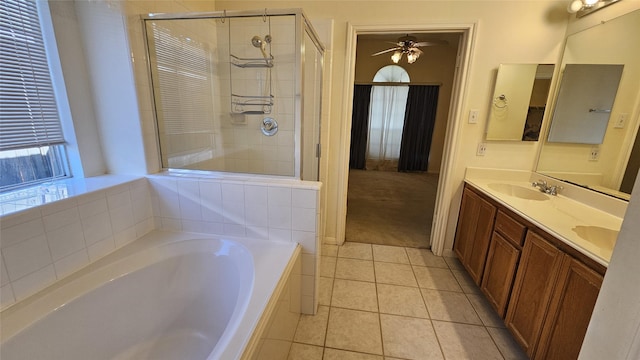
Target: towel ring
x: 500, y: 101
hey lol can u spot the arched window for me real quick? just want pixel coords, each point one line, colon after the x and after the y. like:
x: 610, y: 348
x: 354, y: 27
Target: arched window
x: 391, y: 73
x: 386, y: 117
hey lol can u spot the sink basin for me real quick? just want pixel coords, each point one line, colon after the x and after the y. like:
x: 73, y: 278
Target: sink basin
x: 519, y: 192
x: 597, y: 235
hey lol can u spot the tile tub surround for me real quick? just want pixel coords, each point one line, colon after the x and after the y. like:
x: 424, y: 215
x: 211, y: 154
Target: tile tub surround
x: 46, y: 243
x: 263, y: 208
x: 431, y: 311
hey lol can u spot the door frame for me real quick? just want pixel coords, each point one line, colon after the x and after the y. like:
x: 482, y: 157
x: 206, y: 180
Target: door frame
x: 445, y: 189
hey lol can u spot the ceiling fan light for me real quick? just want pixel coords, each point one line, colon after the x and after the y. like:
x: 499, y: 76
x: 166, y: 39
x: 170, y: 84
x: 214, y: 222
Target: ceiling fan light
x: 412, y: 56
x: 396, y: 57
x: 589, y: 3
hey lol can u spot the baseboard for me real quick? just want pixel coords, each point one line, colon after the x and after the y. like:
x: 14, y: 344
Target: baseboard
x: 330, y: 240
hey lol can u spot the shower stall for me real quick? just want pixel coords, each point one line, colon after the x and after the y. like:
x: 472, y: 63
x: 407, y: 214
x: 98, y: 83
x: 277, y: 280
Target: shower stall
x: 237, y: 91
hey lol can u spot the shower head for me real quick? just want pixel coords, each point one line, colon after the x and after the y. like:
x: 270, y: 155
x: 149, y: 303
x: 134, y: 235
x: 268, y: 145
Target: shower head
x: 257, y: 41
x: 262, y: 45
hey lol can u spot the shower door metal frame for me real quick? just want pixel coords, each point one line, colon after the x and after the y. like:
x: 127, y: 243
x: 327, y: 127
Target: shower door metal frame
x: 302, y: 26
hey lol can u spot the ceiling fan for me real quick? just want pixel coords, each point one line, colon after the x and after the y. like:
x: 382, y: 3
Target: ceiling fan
x: 408, y: 45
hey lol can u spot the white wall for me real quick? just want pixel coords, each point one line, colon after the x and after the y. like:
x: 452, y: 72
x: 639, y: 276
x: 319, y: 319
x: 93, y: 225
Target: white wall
x: 84, y: 139
x: 614, y: 330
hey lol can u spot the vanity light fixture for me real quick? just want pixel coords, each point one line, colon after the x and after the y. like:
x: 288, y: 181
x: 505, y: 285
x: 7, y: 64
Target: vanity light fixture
x: 585, y: 7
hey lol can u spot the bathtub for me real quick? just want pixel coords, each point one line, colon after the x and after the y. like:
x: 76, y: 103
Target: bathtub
x: 164, y: 296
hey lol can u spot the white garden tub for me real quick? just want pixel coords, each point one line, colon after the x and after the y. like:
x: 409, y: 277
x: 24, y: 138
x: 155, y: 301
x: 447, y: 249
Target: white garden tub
x: 165, y: 296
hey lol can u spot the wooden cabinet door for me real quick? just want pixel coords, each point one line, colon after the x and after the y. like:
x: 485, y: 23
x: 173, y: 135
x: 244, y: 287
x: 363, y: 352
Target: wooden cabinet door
x: 570, y: 311
x: 474, y: 232
x: 469, y: 210
x: 499, y: 272
x: 532, y: 290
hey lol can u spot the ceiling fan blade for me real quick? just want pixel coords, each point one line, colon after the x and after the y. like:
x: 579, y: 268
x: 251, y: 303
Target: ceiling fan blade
x: 386, y: 51
x: 431, y: 43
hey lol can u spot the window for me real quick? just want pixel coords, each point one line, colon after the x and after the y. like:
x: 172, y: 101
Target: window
x: 31, y: 138
x: 386, y: 117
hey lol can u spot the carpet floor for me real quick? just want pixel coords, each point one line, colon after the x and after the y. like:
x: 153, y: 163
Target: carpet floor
x: 390, y: 208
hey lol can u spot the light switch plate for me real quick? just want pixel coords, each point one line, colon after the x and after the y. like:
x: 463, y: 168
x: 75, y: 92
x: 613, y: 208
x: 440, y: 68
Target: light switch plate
x: 622, y: 119
x: 473, y: 116
x: 594, y: 154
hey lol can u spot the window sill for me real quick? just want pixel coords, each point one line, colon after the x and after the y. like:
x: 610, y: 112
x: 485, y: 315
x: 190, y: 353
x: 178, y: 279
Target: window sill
x: 33, y: 196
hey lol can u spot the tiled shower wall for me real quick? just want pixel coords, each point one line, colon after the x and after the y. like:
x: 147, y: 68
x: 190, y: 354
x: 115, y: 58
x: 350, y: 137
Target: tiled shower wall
x: 44, y: 244
x: 281, y: 210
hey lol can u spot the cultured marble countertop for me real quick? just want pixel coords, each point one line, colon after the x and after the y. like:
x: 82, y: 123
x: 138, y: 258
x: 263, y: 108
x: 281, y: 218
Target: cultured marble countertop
x: 560, y: 216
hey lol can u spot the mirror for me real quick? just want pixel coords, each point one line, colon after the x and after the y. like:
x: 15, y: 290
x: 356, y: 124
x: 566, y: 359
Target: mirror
x: 519, y: 101
x: 583, y: 108
x: 603, y: 167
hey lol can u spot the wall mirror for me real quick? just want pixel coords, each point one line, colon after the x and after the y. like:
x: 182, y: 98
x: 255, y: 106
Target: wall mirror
x: 585, y: 99
x: 519, y: 101
x: 610, y: 165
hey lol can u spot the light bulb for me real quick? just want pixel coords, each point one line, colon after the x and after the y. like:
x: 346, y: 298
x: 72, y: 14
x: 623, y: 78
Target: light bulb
x: 412, y: 57
x: 396, y: 57
x: 575, y: 6
x: 590, y: 3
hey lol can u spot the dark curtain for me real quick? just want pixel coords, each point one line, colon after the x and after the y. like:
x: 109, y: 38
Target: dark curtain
x: 419, y: 119
x: 359, y: 126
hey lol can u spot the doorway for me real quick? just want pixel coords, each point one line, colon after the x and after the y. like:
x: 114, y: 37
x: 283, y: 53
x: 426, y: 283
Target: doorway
x: 444, y: 192
x: 389, y: 203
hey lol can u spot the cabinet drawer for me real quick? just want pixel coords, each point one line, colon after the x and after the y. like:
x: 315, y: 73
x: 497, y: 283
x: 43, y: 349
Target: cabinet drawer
x: 510, y: 228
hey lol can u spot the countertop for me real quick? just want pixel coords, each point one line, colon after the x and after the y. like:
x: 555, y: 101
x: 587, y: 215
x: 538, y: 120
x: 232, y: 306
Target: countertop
x: 560, y: 216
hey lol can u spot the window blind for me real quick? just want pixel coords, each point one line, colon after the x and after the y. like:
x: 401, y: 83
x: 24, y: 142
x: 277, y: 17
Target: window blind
x: 28, y: 110
x: 183, y: 72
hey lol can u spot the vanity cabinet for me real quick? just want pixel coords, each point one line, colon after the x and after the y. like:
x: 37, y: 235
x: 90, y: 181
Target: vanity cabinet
x: 502, y: 261
x: 543, y: 289
x: 475, y: 224
x: 570, y: 309
x: 532, y: 290
x: 552, y: 301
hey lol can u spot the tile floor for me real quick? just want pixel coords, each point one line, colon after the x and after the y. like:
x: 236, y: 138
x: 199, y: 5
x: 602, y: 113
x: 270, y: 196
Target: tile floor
x: 388, y: 302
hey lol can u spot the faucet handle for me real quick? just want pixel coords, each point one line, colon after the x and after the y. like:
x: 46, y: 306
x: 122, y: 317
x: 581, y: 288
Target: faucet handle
x: 539, y: 182
x: 553, y: 190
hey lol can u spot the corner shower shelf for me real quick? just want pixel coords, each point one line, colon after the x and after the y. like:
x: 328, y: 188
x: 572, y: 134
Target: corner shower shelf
x: 252, y: 62
x: 242, y: 104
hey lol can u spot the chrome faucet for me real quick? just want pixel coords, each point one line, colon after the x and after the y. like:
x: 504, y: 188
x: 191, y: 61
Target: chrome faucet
x: 546, y: 188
